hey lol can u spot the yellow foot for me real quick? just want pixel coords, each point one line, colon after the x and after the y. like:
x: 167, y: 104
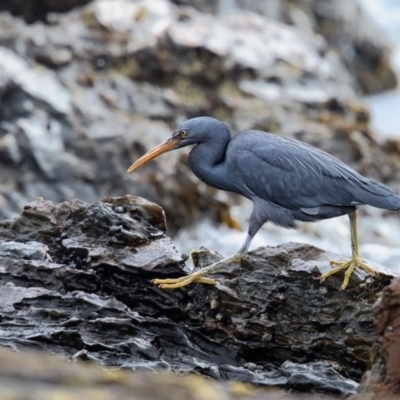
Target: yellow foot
x: 349, y: 266
x: 182, y: 281
x: 198, y: 275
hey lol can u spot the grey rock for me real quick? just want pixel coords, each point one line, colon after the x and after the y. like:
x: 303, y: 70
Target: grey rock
x: 319, y: 376
x: 344, y: 24
x: 94, y: 300
x: 41, y: 85
x: 10, y: 295
x: 30, y: 250
x: 9, y: 149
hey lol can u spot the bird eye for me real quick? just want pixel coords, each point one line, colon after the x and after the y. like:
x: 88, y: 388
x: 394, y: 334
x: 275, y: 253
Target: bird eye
x: 183, y: 133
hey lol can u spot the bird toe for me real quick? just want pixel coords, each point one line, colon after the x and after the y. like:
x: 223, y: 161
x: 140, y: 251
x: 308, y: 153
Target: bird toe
x: 349, y: 267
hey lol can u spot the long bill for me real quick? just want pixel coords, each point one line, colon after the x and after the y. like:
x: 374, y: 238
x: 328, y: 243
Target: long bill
x: 168, y: 145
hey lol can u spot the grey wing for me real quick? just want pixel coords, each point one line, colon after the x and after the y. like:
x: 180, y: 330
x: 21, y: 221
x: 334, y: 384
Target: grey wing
x: 294, y: 175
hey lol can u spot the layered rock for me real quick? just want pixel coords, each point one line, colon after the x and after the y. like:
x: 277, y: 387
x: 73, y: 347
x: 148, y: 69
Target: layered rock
x: 382, y: 379
x: 75, y: 279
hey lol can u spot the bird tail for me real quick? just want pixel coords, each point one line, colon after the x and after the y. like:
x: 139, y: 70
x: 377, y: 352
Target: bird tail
x: 377, y: 195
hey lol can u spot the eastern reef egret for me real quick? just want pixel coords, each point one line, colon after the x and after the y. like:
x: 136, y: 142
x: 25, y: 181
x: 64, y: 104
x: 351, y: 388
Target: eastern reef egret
x: 287, y: 181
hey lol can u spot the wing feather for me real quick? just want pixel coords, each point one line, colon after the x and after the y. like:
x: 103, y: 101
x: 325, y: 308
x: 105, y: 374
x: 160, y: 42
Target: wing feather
x: 295, y: 175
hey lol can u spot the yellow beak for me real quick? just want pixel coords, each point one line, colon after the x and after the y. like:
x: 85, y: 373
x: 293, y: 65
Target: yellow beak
x: 168, y: 145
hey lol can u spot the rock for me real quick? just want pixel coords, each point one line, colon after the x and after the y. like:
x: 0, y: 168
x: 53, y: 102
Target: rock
x: 319, y: 374
x: 76, y: 281
x: 382, y: 380
x: 60, y: 131
x: 29, y: 376
x: 41, y: 85
x: 344, y: 24
x: 272, y: 279
x: 32, y: 10
x: 87, y: 93
x: 24, y: 251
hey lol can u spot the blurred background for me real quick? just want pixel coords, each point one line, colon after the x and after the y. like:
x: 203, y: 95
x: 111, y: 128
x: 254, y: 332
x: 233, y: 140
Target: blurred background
x: 86, y: 87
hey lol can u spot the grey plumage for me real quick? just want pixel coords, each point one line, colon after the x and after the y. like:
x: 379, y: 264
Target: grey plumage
x: 287, y: 180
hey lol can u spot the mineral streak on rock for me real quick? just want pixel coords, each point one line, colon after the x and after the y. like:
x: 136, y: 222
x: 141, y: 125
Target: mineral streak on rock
x: 76, y: 280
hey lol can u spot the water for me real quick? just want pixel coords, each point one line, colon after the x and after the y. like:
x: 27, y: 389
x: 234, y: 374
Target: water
x: 378, y: 236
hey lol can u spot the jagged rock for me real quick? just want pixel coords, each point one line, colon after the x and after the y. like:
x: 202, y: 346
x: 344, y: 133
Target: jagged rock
x: 76, y: 280
x: 382, y: 379
x: 328, y: 324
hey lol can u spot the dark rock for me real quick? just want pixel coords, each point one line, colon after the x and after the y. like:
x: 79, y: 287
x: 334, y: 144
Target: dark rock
x: 382, y: 380
x: 76, y: 280
x: 328, y: 324
x: 33, y: 10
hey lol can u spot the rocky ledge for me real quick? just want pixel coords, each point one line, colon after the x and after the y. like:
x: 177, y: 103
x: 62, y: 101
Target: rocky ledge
x: 76, y: 281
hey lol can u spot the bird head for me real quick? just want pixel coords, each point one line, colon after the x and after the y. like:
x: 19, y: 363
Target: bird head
x: 194, y: 131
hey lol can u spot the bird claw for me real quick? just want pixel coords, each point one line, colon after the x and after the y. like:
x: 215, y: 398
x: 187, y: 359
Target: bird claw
x: 349, y: 266
x: 198, y: 276
x: 175, y: 283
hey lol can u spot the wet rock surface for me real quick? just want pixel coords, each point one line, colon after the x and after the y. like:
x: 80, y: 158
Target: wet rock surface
x: 76, y: 281
x: 382, y: 380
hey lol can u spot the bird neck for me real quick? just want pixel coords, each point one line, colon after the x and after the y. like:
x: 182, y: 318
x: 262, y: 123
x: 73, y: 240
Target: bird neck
x: 206, y: 158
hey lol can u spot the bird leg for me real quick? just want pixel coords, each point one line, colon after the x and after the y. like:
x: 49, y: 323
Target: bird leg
x: 355, y: 260
x: 198, y: 276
